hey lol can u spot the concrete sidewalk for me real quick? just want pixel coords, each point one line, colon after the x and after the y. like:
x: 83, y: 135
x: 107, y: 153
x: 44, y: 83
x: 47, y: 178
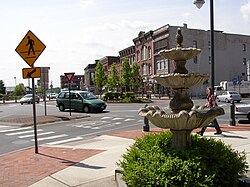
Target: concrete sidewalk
x: 89, y: 163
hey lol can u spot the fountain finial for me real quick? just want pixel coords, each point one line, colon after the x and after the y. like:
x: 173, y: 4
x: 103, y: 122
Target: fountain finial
x: 179, y: 38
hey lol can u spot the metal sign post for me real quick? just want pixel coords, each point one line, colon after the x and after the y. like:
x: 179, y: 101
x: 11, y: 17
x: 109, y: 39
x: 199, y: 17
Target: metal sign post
x: 69, y: 77
x: 30, y: 48
x: 69, y: 101
x: 34, y: 114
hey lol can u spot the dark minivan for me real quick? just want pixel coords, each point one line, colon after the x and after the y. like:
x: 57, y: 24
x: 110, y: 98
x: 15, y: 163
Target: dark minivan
x: 80, y: 100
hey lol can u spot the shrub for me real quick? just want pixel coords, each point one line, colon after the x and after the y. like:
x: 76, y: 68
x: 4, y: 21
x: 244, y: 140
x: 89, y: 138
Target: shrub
x: 128, y: 100
x: 130, y: 95
x: 151, y: 161
x: 117, y: 95
x: 108, y: 95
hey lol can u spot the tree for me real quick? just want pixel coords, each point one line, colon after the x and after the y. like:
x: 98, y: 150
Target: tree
x: 40, y: 89
x: 2, y: 87
x: 19, y: 90
x: 100, y: 77
x: 135, y: 74
x: 113, y: 78
x: 126, y: 74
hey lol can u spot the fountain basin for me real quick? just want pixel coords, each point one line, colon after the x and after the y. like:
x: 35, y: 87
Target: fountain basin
x: 180, y: 54
x: 176, y: 80
x: 183, y: 120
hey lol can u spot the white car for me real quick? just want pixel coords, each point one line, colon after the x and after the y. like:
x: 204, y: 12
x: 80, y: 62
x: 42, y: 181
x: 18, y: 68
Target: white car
x: 29, y: 99
x: 52, y: 95
x: 228, y: 96
x: 242, y: 111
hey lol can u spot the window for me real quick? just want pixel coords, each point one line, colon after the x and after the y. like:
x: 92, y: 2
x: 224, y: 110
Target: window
x: 244, y: 61
x: 194, y: 44
x: 209, y: 45
x: 158, y: 65
x: 144, y: 53
x: 159, y: 45
x: 244, y: 47
x: 91, y: 79
x: 150, y: 69
x: 144, y: 69
x: 163, y: 66
x: 138, y: 56
x: 209, y: 59
x: 149, y: 52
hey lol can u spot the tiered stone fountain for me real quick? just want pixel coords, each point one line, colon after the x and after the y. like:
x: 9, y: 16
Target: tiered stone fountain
x: 183, y: 116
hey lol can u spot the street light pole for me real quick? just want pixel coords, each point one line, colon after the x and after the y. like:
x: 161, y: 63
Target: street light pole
x: 14, y: 89
x: 15, y: 80
x: 199, y: 4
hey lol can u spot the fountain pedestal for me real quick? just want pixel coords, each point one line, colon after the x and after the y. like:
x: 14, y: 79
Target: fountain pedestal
x: 181, y: 138
x: 183, y: 117
x: 181, y: 100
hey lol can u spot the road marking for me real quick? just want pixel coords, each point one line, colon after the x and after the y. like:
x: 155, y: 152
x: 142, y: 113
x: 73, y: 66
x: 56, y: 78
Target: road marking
x: 129, y: 119
x: 11, y: 130
x: 117, y: 118
x: 64, y: 141
x: 24, y: 132
x: 39, y: 134
x: 50, y: 137
x: 106, y: 117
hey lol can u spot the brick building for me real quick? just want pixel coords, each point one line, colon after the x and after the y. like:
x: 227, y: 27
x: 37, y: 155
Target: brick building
x: 76, y: 83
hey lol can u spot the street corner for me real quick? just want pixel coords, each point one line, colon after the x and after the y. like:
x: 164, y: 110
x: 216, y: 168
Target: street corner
x: 24, y: 121
x: 52, y: 160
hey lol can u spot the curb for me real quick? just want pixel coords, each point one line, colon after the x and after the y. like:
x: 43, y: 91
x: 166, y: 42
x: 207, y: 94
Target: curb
x: 56, y: 118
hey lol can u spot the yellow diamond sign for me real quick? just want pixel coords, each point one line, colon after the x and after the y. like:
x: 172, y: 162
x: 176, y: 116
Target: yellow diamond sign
x: 30, y: 48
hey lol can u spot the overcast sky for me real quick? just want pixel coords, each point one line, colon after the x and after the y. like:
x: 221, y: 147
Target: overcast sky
x: 77, y: 32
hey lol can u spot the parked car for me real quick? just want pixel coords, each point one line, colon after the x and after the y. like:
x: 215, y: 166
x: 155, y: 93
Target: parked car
x: 52, y: 95
x: 242, y: 111
x: 80, y: 100
x: 29, y: 99
x: 228, y: 96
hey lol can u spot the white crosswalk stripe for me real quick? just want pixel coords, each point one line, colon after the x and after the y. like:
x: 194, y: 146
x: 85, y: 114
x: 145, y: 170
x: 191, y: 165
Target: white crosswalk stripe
x: 24, y: 132
x: 64, y: 141
x: 53, y: 138
x: 12, y: 130
x: 117, y: 118
x: 129, y: 119
x: 28, y: 134
x: 105, y: 122
x: 50, y: 137
x: 38, y: 134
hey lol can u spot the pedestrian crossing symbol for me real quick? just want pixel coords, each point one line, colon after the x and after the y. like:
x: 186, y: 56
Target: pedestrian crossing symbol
x: 30, y: 48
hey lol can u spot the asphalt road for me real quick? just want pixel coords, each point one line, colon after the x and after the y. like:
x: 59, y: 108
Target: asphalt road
x: 116, y: 118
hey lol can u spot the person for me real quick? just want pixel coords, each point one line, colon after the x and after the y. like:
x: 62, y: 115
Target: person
x: 31, y: 44
x: 211, y: 102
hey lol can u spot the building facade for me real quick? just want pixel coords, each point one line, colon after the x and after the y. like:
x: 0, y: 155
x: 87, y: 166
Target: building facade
x: 231, y: 61
x: 232, y: 52
x: 89, y: 73
x: 74, y: 85
x: 108, y: 61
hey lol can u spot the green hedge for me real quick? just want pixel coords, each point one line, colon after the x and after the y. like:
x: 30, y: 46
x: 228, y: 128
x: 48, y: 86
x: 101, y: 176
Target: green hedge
x: 152, y: 162
x: 130, y: 95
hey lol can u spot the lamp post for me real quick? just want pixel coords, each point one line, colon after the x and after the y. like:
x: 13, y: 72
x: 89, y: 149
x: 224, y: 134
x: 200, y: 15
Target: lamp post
x: 14, y: 89
x: 199, y: 4
x: 15, y: 80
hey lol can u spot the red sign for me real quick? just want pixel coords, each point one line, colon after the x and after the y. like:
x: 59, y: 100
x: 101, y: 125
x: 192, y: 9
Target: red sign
x: 69, y: 76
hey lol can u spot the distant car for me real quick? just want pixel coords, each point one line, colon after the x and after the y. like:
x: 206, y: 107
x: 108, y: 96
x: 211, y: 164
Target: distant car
x: 242, y: 111
x: 228, y: 96
x: 52, y: 95
x: 80, y: 100
x: 29, y: 99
